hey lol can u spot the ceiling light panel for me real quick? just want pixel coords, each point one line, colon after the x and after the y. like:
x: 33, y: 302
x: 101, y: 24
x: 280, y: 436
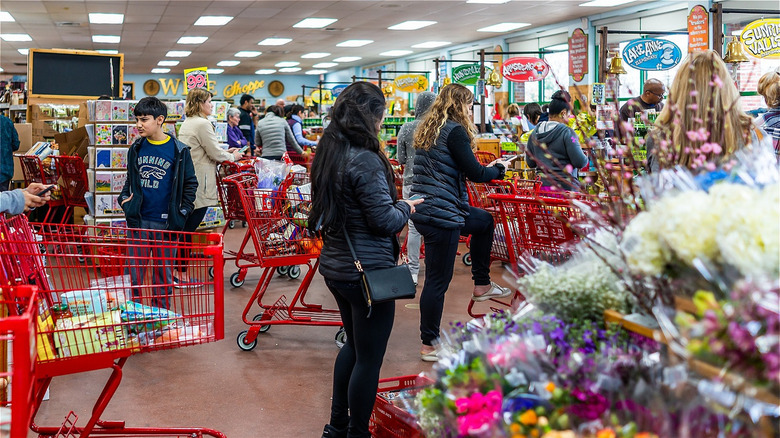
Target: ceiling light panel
x: 109, y: 39
x: 265, y: 71
x: 503, y: 27
x: 107, y: 51
x: 488, y: 2
x: 411, y: 25
x: 167, y: 63
x: 15, y: 37
x: 214, y: 71
x: 354, y: 43
x: 606, y: 3
x: 396, y: 53
x: 316, y: 72
x: 314, y: 23
x: 192, y: 40
x: 178, y: 54
x: 161, y: 70
x: 289, y: 69
x: 287, y: 64
x: 274, y: 41
x: 348, y: 59
x: 248, y: 54
x: 315, y: 55
x: 101, y: 18
x: 228, y: 63
x: 24, y: 52
x: 431, y: 44
x: 5, y: 16
x: 213, y: 20
x: 325, y: 65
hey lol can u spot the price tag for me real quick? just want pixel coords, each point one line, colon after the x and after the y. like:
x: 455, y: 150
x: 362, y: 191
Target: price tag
x: 196, y: 77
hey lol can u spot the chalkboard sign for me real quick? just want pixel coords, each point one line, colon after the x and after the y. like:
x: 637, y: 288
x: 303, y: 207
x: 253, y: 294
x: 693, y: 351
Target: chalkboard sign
x: 76, y: 73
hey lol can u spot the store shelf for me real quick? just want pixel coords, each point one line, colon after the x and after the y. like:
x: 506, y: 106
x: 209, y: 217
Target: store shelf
x: 13, y: 107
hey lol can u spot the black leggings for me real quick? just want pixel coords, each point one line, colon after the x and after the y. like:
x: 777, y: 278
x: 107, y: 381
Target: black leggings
x: 356, y: 372
x: 193, y: 220
x: 441, y: 246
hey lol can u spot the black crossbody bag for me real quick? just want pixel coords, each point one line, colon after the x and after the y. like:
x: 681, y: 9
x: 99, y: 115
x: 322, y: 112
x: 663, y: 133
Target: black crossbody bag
x: 381, y: 285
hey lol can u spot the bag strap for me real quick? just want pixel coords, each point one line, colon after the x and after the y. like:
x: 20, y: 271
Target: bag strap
x: 352, y: 250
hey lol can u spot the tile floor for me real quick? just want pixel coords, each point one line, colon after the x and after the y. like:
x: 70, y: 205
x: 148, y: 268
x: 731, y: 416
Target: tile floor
x: 280, y: 389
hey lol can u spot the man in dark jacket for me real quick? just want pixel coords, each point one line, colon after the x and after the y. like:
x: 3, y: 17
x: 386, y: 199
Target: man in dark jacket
x: 9, y: 143
x: 406, y: 159
x: 246, y: 121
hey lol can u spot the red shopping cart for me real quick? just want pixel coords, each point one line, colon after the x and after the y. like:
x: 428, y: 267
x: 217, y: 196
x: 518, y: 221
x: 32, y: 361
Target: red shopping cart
x: 278, y: 229
x: 93, y: 319
x: 35, y: 172
x: 18, y: 316
x: 73, y: 183
x: 230, y: 200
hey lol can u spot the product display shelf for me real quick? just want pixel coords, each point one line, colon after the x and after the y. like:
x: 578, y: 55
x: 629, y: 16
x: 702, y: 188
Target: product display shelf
x: 17, y: 113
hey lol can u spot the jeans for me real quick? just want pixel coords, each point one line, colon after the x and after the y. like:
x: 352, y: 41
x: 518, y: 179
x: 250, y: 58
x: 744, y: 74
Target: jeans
x: 441, y: 246
x: 413, y: 241
x: 193, y: 220
x: 356, y: 372
x: 155, y: 247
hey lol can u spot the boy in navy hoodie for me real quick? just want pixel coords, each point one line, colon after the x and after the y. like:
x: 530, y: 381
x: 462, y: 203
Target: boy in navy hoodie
x: 159, y: 194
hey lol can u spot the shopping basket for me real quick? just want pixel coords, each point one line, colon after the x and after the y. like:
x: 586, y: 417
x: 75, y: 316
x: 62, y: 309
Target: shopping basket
x: 18, y: 318
x: 101, y: 320
x: 278, y: 222
x: 391, y: 417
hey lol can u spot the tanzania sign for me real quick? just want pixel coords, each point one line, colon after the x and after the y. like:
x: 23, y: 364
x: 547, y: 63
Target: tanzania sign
x: 578, y: 54
x: 652, y: 54
x: 411, y: 83
x: 525, y: 69
x: 698, y: 29
x: 467, y: 74
x: 762, y: 38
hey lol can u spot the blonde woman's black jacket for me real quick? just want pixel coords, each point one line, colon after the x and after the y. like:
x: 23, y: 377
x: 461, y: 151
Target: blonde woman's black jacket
x: 185, y: 185
x: 372, y: 219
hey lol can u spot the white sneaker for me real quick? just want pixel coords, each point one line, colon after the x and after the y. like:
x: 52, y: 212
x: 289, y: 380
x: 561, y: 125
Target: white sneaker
x: 495, y: 291
x: 414, y: 279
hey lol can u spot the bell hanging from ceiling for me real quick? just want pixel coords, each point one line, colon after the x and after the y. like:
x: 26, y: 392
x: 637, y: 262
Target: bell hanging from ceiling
x: 616, y: 65
x: 446, y: 81
x: 388, y: 90
x: 493, y: 79
x: 735, y: 52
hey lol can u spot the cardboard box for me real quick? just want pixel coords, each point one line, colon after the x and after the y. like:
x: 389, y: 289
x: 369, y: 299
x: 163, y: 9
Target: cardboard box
x: 73, y: 143
x: 25, y: 143
x: 42, y: 130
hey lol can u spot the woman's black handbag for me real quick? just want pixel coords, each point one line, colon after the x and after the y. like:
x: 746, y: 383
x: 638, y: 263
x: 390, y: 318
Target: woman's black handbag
x: 380, y: 285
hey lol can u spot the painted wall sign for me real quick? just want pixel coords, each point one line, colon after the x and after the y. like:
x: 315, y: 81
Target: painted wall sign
x: 652, y: 54
x: 525, y: 69
x: 236, y: 88
x: 326, y: 94
x: 196, y: 77
x: 468, y: 74
x: 411, y: 83
x: 698, y: 29
x: 578, y: 55
x: 335, y: 91
x: 762, y: 38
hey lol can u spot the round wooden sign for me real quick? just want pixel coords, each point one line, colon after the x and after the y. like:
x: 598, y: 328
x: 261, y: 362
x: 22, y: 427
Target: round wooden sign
x: 151, y: 87
x: 275, y: 88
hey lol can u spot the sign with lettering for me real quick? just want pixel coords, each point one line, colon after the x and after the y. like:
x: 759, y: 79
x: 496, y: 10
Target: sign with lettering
x: 335, y: 91
x: 327, y: 97
x: 468, y: 74
x: 196, y: 77
x: 762, y: 38
x: 236, y: 88
x: 578, y: 54
x: 698, y: 29
x: 411, y: 83
x: 525, y: 69
x: 652, y: 54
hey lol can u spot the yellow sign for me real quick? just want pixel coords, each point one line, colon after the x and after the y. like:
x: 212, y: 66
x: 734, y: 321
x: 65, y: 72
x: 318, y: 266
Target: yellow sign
x: 171, y: 86
x: 315, y: 97
x: 236, y: 88
x: 197, y: 77
x: 762, y: 38
x: 411, y: 83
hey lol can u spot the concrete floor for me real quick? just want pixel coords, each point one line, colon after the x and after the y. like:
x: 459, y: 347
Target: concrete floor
x: 280, y: 389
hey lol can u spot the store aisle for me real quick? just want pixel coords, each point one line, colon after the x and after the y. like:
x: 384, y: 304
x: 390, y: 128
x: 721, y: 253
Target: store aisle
x: 280, y: 389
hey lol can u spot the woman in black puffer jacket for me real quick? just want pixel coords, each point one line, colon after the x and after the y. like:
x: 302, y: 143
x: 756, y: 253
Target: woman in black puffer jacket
x: 353, y: 188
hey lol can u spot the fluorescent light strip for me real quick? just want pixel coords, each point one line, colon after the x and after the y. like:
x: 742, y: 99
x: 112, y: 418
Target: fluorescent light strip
x: 287, y: 64
x: 431, y: 44
x: 606, y: 3
x: 161, y: 70
x: 316, y: 72
x: 265, y: 71
x: 411, y: 25
x: 396, y: 53
x: 348, y: 59
x: 167, y: 63
x: 192, y: 40
x: 15, y: 37
x: 214, y: 71
x: 102, y: 18
x: 274, y: 41
x: 108, y: 51
x: 108, y: 39
x: 488, y: 2
x: 503, y: 27
x: 325, y: 65
x: 289, y: 69
x: 248, y: 54
x: 24, y: 52
x: 5, y: 16
x: 314, y: 23
x: 178, y: 54
x: 213, y: 20
x: 354, y: 43
x: 315, y: 55
x: 228, y: 63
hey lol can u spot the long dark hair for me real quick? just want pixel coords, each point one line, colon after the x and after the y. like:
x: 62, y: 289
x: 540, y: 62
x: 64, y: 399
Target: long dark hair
x: 354, y: 123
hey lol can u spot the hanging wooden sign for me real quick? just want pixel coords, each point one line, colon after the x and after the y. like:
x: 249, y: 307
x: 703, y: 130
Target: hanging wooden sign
x: 762, y: 38
x: 411, y: 83
x: 698, y: 29
x: 578, y: 55
x: 525, y: 69
x: 652, y: 54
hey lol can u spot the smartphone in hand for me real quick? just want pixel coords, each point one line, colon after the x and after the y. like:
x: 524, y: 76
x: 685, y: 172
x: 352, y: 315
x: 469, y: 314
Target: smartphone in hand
x: 43, y: 192
x: 415, y: 197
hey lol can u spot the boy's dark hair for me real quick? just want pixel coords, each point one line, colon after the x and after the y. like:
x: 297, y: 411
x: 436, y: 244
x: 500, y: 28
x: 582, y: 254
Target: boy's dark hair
x: 150, y: 106
x: 532, y: 112
x: 246, y: 98
x: 295, y: 109
x: 279, y: 111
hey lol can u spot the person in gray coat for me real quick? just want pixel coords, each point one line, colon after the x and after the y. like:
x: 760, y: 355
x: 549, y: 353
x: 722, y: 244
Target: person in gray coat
x: 273, y: 133
x: 17, y: 201
x: 406, y: 158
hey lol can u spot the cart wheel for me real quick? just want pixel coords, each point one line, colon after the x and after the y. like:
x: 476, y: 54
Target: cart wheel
x: 341, y: 337
x: 282, y: 270
x: 231, y: 224
x: 211, y: 272
x: 243, y: 224
x: 295, y: 272
x: 235, y: 281
x: 241, y: 341
x: 467, y: 259
x: 263, y: 328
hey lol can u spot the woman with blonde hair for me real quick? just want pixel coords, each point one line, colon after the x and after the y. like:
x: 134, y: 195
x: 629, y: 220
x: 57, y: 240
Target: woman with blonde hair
x: 702, y: 123
x: 444, y: 142
x: 769, y: 88
x: 197, y: 132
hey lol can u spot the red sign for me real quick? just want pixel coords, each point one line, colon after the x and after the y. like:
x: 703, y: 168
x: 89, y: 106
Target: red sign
x: 578, y: 55
x: 524, y: 69
x: 698, y: 29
